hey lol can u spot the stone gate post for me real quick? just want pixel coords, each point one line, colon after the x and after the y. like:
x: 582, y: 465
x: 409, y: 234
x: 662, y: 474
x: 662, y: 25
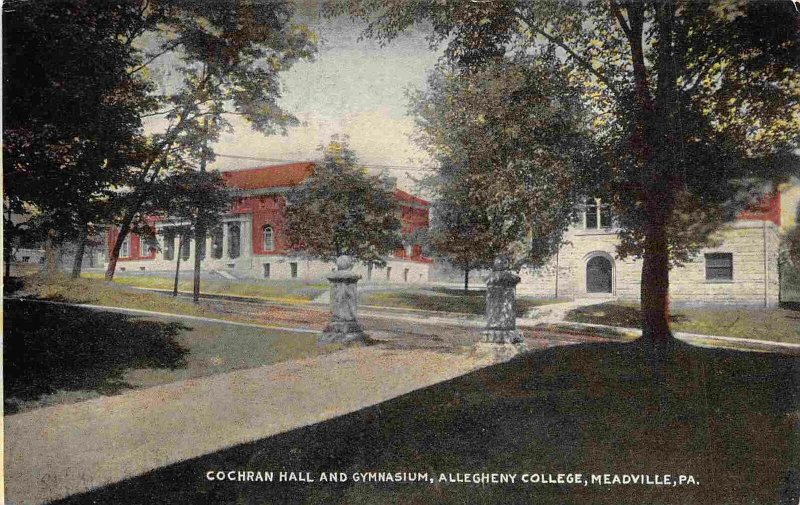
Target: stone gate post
x: 501, y: 317
x: 344, y: 327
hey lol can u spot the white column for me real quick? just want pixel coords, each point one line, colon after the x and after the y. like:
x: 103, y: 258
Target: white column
x: 176, y: 247
x: 246, y: 227
x: 208, y: 248
x: 192, y: 250
x: 162, y: 243
x: 225, y: 239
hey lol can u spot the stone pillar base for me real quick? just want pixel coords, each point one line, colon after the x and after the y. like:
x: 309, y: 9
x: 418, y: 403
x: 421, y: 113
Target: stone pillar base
x: 502, y: 336
x: 343, y: 332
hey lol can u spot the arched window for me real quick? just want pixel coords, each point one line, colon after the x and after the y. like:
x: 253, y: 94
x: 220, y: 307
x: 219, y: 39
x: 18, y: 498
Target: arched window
x: 269, y: 238
x: 125, y: 250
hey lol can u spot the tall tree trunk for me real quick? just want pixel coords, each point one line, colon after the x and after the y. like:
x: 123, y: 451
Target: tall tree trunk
x: 178, y: 265
x: 113, y: 255
x: 466, y: 280
x: 655, y: 288
x: 77, y: 262
x: 50, y: 260
x: 199, y: 238
x: 200, y: 226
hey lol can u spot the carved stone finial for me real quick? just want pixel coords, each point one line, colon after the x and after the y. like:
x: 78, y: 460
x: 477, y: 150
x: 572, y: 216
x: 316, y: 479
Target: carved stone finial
x: 501, y: 263
x: 344, y: 263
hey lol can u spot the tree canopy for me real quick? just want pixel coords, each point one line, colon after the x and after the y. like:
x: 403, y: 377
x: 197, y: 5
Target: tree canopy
x: 340, y: 209
x: 695, y: 104
x: 510, y: 143
x: 71, y: 109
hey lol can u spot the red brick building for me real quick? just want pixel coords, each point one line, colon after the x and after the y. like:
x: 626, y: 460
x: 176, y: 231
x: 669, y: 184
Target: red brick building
x: 251, y: 242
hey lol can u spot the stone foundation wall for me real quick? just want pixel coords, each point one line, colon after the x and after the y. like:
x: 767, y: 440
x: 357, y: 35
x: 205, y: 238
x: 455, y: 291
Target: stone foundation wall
x: 280, y: 267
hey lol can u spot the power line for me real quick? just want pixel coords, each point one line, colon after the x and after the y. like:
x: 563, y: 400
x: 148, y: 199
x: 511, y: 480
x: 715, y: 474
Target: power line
x: 368, y: 165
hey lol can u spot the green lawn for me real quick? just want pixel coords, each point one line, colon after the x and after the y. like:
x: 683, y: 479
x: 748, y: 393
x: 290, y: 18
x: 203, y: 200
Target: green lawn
x: 60, y: 354
x: 277, y: 290
x: 776, y: 324
x: 729, y: 419
x: 442, y: 300
x: 98, y: 292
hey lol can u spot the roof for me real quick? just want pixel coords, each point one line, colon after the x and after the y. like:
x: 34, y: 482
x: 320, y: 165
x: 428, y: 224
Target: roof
x: 291, y: 174
x: 276, y: 176
x: 409, y: 198
x: 766, y: 209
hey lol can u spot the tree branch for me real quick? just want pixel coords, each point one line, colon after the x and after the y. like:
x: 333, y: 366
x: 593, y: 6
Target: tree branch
x: 571, y: 52
x: 620, y: 18
x: 167, y: 48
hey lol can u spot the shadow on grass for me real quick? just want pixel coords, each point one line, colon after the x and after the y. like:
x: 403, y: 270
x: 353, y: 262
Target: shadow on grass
x: 612, y: 314
x: 50, y: 348
x: 440, y: 299
x: 727, y: 418
x: 794, y: 306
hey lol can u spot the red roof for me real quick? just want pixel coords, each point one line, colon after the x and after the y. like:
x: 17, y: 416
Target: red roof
x: 284, y: 176
x: 767, y: 208
x: 409, y: 198
x: 276, y: 176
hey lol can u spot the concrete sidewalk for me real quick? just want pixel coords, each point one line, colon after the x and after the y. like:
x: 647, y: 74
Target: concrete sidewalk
x: 58, y: 451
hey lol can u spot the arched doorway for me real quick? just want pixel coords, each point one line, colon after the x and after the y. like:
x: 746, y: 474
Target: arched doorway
x: 599, y: 275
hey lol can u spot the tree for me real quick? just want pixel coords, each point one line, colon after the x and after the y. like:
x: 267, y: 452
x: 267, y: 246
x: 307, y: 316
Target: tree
x: 72, y: 111
x: 190, y: 199
x: 512, y: 157
x: 460, y: 234
x: 340, y: 210
x: 695, y: 104
x: 229, y: 56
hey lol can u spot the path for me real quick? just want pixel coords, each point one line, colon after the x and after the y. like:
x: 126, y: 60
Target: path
x: 58, y: 451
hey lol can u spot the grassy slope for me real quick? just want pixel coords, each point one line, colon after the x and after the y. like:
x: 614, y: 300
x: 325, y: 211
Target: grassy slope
x: 94, y: 291
x: 727, y: 418
x: 285, y: 291
x: 60, y: 354
x: 777, y: 324
x: 442, y: 299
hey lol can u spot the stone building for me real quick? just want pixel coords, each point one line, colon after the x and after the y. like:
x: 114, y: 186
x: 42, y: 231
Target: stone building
x: 741, y: 270
x: 251, y: 241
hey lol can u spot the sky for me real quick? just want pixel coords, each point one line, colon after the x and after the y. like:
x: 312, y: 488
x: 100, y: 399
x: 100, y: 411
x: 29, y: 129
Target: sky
x: 355, y: 88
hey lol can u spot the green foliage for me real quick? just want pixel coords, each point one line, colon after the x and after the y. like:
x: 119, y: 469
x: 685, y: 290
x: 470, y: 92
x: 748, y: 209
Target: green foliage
x: 192, y: 199
x: 71, y: 109
x: 693, y: 103
x: 340, y: 209
x: 510, y: 144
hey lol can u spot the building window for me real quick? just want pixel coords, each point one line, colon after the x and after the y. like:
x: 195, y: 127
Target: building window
x: 719, y: 267
x: 234, y: 237
x: 293, y: 268
x: 169, y: 244
x: 405, y: 275
x: 146, y: 245
x: 125, y: 250
x: 266, y: 270
x: 597, y: 215
x: 269, y: 238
